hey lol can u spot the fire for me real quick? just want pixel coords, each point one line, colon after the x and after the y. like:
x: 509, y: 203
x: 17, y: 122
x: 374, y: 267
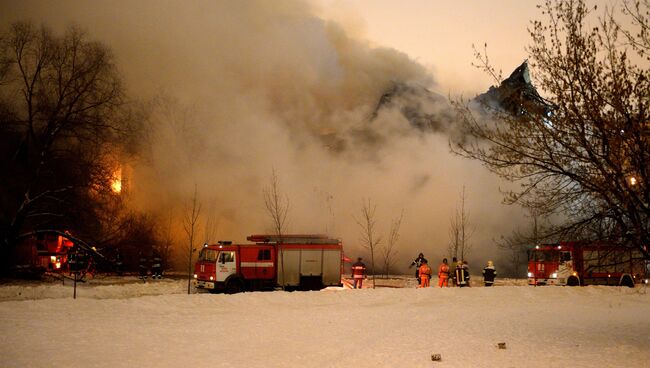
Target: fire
x: 116, y: 181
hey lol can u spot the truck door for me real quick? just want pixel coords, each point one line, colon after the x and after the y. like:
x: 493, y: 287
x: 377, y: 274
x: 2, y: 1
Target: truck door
x: 265, y: 263
x: 226, y: 264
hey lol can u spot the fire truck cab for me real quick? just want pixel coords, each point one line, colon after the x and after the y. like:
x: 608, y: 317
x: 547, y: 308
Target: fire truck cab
x: 582, y: 263
x: 305, y: 262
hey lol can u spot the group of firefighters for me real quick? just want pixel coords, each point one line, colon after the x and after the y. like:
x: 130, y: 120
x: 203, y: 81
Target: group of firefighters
x: 156, y: 266
x: 457, y: 272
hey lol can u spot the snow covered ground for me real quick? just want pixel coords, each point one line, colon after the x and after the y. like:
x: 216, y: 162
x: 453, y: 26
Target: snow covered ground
x: 124, y: 323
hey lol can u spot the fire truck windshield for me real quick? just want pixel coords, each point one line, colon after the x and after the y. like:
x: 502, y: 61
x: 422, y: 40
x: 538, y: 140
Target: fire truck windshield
x: 208, y: 255
x: 544, y: 255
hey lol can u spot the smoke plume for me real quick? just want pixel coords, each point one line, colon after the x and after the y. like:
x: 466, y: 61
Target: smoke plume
x: 237, y: 89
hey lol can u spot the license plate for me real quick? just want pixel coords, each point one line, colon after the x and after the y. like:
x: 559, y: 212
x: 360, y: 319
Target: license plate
x: 205, y: 284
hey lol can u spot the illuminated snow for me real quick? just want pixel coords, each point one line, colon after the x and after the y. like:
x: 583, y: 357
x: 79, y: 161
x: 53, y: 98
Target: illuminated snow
x: 123, y: 323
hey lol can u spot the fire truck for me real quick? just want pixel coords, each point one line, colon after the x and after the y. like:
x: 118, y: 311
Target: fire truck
x: 304, y: 262
x: 53, y: 252
x: 43, y: 252
x: 586, y: 263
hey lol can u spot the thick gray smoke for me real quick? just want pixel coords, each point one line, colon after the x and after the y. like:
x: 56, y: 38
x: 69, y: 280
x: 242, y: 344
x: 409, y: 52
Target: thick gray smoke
x: 242, y: 88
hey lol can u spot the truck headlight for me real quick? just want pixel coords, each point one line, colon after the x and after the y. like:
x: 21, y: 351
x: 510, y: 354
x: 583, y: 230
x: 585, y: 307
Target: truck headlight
x: 530, y: 274
x: 196, y: 276
x: 211, y: 278
x: 554, y: 275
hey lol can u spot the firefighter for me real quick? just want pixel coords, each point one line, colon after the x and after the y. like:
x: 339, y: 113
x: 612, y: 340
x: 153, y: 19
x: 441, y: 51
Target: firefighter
x: 358, y: 273
x: 452, y: 269
x: 73, y: 262
x: 425, y: 274
x: 143, y: 267
x: 462, y: 274
x: 466, y: 269
x: 156, y: 266
x: 417, y: 263
x: 489, y: 273
x: 119, y: 265
x: 443, y: 274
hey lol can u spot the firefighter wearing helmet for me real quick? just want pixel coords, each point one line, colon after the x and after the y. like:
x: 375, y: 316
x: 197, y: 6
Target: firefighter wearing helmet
x: 417, y: 263
x: 489, y: 273
x: 425, y: 274
x: 443, y: 274
x: 462, y: 274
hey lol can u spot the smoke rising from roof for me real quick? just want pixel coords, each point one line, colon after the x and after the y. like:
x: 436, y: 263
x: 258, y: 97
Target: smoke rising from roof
x: 241, y: 88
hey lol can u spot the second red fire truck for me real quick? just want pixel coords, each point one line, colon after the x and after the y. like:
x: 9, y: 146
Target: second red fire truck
x: 42, y: 252
x: 305, y: 262
x: 586, y: 263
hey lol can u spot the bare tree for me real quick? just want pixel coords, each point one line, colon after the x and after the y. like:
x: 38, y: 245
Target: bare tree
x: 638, y: 36
x: 369, y: 238
x: 167, y: 242
x: 518, y: 244
x: 190, y: 225
x: 460, y: 231
x: 389, y: 251
x: 211, y: 228
x: 580, y: 153
x: 62, y: 113
x: 277, y: 207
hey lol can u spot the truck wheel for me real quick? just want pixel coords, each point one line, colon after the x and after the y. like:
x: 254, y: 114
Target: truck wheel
x: 234, y: 286
x: 573, y: 281
x: 627, y: 281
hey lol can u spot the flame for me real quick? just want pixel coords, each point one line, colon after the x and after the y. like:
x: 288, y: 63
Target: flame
x: 116, y: 181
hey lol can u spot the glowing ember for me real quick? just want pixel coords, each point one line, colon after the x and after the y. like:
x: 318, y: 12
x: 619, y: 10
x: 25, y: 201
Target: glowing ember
x: 116, y: 184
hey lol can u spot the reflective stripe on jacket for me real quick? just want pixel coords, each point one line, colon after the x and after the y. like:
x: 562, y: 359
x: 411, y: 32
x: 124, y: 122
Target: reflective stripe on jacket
x: 443, y: 270
x: 425, y: 270
x: 358, y: 270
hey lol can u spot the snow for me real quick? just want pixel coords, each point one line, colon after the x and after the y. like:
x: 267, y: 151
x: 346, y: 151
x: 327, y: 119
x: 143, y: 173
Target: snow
x: 120, y: 322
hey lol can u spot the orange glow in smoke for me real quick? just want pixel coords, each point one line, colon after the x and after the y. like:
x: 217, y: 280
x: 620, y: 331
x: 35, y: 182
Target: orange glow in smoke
x: 116, y: 184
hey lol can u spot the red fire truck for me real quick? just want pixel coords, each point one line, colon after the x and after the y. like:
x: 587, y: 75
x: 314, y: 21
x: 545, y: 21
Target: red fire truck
x: 305, y: 262
x: 586, y: 263
x: 53, y: 251
x: 42, y: 252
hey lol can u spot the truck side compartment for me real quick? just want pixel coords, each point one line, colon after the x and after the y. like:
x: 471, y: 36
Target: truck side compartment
x: 305, y: 262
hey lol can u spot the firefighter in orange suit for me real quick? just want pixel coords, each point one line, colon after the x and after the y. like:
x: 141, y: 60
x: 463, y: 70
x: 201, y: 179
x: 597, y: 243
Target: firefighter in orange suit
x: 425, y: 274
x: 443, y: 274
x: 358, y: 273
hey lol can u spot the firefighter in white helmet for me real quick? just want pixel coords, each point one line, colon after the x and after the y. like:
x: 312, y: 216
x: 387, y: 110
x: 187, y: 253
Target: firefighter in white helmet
x: 489, y: 273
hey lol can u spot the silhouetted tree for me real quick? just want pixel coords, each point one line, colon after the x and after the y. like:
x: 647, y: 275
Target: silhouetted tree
x: 389, y: 251
x: 369, y: 238
x: 61, y: 116
x: 277, y: 207
x: 190, y: 225
x: 582, y: 152
x: 460, y: 231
